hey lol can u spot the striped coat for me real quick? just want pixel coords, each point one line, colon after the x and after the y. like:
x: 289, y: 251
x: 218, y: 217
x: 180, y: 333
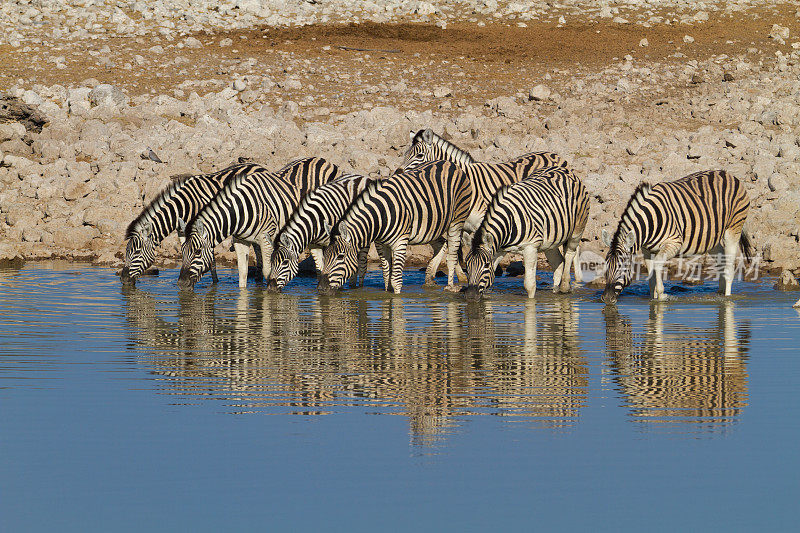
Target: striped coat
x: 485, y: 178
x: 417, y: 207
x: 170, y: 210
x: 251, y: 209
x: 309, y: 226
x: 700, y: 213
x: 545, y: 212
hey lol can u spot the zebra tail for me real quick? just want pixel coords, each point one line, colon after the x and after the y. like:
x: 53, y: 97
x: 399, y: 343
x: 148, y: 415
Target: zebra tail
x: 746, y: 245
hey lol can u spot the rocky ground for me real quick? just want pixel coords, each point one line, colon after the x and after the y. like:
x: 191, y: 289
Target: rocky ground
x: 626, y: 91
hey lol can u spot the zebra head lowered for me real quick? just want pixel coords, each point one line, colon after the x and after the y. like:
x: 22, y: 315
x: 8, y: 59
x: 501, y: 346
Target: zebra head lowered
x: 479, y: 264
x: 619, y: 262
x: 340, y: 259
x: 285, y: 263
x: 140, y: 252
x: 198, y: 255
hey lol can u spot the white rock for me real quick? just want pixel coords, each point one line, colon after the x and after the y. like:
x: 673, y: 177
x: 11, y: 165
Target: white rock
x: 644, y: 42
x: 688, y: 39
x: 441, y: 91
x: 539, y: 92
x: 779, y: 33
x: 191, y: 42
x: 105, y: 94
x: 777, y: 183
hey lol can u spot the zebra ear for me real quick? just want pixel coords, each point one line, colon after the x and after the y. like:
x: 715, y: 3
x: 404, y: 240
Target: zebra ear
x: 412, y: 134
x: 488, y: 240
x: 630, y: 239
x: 181, y: 226
x: 344, y: 232
x: 427, y: 135
x: 145, y: 230
x: 284, y: 241
x: 606, y: 237
x: 327, y: 227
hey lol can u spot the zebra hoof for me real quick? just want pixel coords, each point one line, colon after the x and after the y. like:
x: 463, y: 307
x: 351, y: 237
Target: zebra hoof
x: 452, y: 288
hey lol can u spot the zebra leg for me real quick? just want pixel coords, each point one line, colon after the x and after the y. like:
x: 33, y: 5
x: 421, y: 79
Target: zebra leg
x: 570, y: 260
x: 361, y: 270
x: 317, y: 254
x: 214, y: 277
x: 259, y: 255
x: 529, y: 255
x: 453, y: 244
x: 730, y: 243
x: 385, y: 255
x: 558, y: 264
x: 398, y: 264
x: 266, y: 257
x: 439, y: 251
x: 576, y: 266
x: 667, y: 252
x: 242, y: 250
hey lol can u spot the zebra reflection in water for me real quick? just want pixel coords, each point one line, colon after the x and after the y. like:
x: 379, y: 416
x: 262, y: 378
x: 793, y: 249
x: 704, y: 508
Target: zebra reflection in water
x: 431, y: 362
x: 679, y: 373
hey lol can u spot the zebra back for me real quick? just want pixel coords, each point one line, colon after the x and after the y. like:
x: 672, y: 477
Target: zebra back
x: 182, y: 199
x: 322, y: 207
x: 248, y: 204
x: 485, y: 178
x: 551, y: 206
x: 421, y: 203
x: 695, y: 210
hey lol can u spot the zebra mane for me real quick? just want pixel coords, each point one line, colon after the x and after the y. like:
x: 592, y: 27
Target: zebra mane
x: 451, y: 151
x: 224, y: 194
x: 158, y: 202
x: 641, y: 192
x: 371, y: 185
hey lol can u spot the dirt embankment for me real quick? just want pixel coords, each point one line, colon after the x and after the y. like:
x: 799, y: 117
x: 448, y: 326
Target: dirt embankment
x: 623, y: 102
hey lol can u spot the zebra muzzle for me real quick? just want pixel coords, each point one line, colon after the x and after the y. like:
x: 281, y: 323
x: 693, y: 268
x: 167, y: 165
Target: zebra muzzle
x: 272, y: 286
x: 125, y: 276
x: 472, y: 292
x: 186, y: 280
x: 609, y: 295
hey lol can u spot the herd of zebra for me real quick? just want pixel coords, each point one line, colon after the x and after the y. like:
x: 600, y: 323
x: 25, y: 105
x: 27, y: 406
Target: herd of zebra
x: 440, y: 196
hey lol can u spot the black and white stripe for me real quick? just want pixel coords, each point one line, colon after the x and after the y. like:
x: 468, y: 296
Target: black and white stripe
x: 544, y: 212
x: 485, y: 178
x: 700, y: 213
x: 252, y: 209
x: 170, y: 210
x: 417, y: 207
x: 309, y: 226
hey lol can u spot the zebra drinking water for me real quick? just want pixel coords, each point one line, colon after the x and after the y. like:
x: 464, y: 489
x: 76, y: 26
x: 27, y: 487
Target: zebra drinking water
x: 700, y: 213
x: 178, y: 203
x: 415, y: 207
x: 485, y: 178
x: 324, y: 206
x: 251, y: 209
x: 544, y: 212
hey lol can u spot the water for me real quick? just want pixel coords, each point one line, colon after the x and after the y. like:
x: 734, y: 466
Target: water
x: 146, y: 409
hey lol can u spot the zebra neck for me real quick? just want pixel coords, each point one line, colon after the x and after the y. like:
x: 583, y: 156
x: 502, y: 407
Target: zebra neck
x: 363, y: 234
x: 450, y: 152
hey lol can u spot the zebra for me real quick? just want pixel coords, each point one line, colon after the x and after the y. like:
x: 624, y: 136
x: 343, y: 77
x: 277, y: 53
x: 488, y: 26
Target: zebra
x: 700, y: 213
x: 178, y: 203
x: 251, y: 208
x: 547, y: 211
x: 415, y: 207
x: 485, y: 178
x: 307, y: 228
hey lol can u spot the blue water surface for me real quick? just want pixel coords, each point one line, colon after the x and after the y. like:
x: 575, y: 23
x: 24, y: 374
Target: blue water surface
x: 239, y: 410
